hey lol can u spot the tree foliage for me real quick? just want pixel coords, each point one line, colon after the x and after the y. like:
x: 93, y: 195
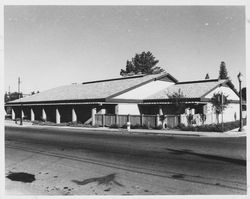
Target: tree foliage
x: 12, y: 96
x: 207, y: 76
x: 218, y: 104
x: 144, y: 63
x: 223, y: 71
x: 177, y: 101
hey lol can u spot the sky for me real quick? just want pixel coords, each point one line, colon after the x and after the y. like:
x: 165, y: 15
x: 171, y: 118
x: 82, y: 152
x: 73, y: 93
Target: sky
x: 51, y: 46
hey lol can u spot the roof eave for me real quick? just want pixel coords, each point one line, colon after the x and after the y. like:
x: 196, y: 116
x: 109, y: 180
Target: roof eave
x: 181, y: 100
x: 56, y: 101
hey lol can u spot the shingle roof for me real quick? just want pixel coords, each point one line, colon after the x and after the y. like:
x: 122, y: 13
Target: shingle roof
x: 192, y: 89
x: 90, y: 90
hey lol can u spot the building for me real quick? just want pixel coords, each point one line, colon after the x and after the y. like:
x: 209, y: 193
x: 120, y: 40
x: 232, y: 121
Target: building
x: 135, y: 95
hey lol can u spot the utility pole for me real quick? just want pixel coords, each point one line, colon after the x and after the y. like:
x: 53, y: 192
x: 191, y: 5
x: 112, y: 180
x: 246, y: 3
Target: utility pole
x: 240, y: 93
x: 19, y: 96
x: 19, y: 82
x: 222, y: 98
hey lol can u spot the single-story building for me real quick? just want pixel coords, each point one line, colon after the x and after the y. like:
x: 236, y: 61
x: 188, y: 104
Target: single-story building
x: 135, y: 95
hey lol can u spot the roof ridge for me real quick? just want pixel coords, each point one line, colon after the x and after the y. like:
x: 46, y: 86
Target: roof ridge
x: 200, y: 81
x: 120, y: 78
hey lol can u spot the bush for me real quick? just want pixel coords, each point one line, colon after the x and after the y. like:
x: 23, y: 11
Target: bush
x: 137, y: 126
x: 227, y: 126
x: 158, y: 127
x: 114, y: 126
x: 181, y: 125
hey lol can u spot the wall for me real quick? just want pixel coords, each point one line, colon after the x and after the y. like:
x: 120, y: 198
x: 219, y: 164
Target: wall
x: 229, y: 114
x: 128, y: 109
x: 226, y: 91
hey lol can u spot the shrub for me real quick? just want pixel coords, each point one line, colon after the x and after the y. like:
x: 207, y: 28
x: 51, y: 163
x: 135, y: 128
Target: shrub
x: 114, y: 126
x: 136, y: 126
x: 158, y: 127
x: 181, y: 125
x: 227, y: 126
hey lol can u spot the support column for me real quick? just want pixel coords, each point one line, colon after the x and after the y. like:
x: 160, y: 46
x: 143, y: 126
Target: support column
x: 58, y: 117
x: 32, y: 115
x: 13, y: 115
x: 160, y: 111
x: 22, y: 114
x: 74, y: 116
x: 117, y: 109
x: 44, y: 116
x: 116, y: 114
x: 157, y: 120
x: 141, y: 119
x: 93, y: 112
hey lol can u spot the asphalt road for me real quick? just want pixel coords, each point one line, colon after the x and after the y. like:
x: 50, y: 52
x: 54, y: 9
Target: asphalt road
x: 87, y: 162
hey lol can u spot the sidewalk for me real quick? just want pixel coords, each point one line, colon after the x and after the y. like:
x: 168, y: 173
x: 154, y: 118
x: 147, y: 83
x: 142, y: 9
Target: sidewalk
x: 172, y: 132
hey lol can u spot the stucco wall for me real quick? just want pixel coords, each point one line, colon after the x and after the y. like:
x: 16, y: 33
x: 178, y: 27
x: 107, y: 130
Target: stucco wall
x: 128, y: 109
x: 144, y: 91
x: 231, y: 113
x: 226, y: 91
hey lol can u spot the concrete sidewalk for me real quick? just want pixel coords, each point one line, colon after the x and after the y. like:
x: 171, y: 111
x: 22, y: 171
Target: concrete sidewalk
x: 172, y: 132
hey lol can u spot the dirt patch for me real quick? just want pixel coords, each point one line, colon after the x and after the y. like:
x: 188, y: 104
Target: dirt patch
x: 21, y: 177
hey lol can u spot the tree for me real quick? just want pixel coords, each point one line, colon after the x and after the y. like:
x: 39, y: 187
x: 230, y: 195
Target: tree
x: 177, y: 101
x: 12, y: 96
x: 207, y: 76
x: 223, y: 71
x: 144, y: 63
x: 218, y: 104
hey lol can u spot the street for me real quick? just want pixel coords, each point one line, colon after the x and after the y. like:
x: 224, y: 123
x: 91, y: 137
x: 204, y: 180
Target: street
x: 68, y: 161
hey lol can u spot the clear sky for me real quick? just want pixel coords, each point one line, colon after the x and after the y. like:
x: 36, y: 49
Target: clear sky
x: 50, y: 46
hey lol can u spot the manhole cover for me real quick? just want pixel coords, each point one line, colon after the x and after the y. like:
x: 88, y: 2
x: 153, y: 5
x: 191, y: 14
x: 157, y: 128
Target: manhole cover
x: 22, y: 177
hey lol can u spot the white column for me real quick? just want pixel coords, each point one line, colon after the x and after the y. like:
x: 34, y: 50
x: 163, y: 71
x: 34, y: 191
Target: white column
x: 44, y: 116
x: 160, y: 111
x: 116, y: 109
x: 58, y: 116
x: 74, y: 116
x: 103, y: 111
x: 32, y: 115
x: 13, y: 115
x: 22, y: 113
x: 93, y: 112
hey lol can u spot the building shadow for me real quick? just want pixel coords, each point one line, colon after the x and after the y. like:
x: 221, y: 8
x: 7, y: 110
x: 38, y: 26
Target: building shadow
x: 212, y: 157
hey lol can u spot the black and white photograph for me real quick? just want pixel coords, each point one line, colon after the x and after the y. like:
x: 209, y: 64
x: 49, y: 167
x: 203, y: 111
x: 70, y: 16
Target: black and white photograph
x: 124, y: 100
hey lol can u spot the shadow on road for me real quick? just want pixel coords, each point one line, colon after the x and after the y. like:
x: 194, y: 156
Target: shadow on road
x: 21, y: 176
x: 213, y: 157
x: 106, y: 180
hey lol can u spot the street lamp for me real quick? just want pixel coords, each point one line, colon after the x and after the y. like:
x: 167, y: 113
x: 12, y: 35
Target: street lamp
x: 240, y: 80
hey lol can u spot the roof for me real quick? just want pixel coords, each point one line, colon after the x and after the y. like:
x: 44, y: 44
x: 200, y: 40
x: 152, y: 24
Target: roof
x: 190, y: 89
x: 89, y: 91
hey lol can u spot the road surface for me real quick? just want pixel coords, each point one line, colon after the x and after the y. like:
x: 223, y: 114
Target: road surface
x: 68, y: 161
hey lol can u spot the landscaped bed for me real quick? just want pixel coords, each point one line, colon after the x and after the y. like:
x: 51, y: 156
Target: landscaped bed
x: 227, y: 126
